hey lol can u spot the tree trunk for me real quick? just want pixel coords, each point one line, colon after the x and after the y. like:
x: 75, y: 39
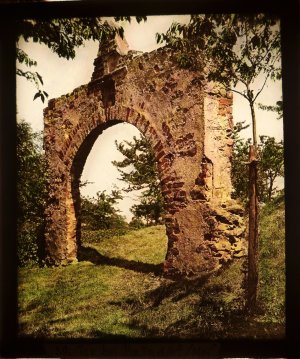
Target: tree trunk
x: 253, y: 125
x: 253, y: 231
x: 270, y: 189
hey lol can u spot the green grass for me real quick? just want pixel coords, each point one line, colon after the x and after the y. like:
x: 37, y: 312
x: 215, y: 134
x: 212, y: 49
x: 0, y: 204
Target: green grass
x: 116, y: 290
x: 271, y: 290
x: 86, y: 299
x: 148, y: 245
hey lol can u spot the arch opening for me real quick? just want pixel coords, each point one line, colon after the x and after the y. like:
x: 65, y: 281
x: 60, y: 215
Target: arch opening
x: 74, y: 224
x: 119, y: 131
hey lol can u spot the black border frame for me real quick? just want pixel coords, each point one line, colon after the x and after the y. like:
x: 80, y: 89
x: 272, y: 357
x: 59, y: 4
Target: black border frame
x: 11, y: 346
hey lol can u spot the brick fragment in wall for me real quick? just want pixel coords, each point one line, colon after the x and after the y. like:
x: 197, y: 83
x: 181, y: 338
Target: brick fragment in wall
x: 167, y: 133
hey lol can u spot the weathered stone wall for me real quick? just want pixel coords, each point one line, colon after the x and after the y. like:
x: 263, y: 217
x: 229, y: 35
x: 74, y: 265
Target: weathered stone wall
x: 189, y: 125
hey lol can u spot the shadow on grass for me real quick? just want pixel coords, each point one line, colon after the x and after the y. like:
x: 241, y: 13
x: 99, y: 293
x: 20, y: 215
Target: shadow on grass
x: 92, y: 255
x: 176, y: 290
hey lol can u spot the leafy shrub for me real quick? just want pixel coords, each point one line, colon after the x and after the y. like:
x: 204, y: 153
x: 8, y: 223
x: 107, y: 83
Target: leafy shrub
x: 29, y: 237
x: 99, y: 213
x: 31, y: 194
x: 136, y: 223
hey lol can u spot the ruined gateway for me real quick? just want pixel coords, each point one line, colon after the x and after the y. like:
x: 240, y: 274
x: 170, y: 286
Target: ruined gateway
x: 188, y: 122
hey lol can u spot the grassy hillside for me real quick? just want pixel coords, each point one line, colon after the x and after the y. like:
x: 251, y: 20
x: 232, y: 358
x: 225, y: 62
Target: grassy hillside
x: 116, y: 290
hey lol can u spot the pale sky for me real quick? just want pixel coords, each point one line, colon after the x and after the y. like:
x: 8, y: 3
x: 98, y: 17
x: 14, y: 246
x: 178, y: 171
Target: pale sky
x: 62, y: 76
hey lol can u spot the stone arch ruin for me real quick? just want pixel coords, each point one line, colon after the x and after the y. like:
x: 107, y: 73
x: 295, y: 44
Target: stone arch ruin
x: 188, y: 122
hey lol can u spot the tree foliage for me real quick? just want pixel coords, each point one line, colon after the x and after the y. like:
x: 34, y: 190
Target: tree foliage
x: 139, y: 171
x: 31, y: 194
x: 62, y: 36
x: 271, y: 168
x: 100, y: 213
x: 278, y: 108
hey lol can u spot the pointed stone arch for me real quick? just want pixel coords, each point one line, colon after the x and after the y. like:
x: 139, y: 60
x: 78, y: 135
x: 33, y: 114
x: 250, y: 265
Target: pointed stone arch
x: 189, y: 125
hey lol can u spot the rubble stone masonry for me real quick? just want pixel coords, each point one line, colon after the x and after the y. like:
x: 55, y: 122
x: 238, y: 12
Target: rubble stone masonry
x: 188, y: 122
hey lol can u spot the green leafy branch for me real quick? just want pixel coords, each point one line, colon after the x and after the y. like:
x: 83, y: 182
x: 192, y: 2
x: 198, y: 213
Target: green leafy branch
x: 62, y: 36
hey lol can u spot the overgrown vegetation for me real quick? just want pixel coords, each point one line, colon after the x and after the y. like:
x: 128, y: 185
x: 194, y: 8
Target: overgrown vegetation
x: 31, y: 194
x: 116, y: 290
